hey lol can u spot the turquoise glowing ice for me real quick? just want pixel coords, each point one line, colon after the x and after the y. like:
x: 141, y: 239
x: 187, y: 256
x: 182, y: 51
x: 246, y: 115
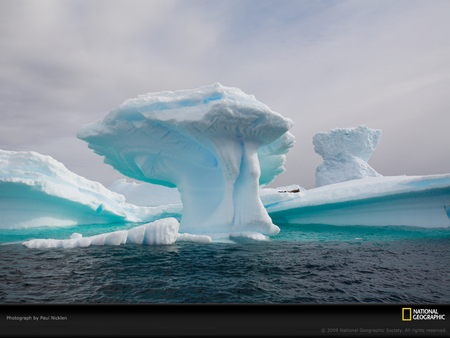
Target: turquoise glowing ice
x: 215, y: 144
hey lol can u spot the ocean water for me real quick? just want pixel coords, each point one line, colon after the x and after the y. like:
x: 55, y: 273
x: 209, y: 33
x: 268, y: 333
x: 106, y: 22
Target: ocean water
x: 303, y: 264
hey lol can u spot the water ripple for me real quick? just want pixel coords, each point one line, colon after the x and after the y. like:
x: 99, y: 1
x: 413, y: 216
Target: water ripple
x: 275, y: 271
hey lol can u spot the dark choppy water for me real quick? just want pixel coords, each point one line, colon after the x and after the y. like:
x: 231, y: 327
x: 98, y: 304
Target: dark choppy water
x: 303, y: 264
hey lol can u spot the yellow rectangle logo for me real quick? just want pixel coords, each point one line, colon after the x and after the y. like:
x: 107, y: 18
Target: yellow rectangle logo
x: 406, y: 314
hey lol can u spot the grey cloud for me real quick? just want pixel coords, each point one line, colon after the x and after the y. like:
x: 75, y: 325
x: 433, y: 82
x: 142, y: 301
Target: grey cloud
x: 323, y: 64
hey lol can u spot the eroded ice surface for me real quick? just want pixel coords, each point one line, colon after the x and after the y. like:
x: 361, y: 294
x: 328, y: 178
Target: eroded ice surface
x: 215, y: 144
x: 36, y: 190
x: 160, y: 232
x: 345, y: 153
x: 422, y: 201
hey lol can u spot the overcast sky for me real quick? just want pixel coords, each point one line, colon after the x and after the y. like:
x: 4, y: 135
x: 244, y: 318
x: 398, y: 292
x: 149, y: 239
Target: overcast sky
x: 324, y: 64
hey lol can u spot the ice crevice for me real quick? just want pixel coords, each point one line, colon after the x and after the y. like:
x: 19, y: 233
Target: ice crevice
x: 447, y: 210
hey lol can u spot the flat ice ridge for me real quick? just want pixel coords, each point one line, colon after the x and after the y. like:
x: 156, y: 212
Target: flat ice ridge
x: 36, y: 190
x: 215, y: 144
x: 160, y: 232
x: 422, y: 201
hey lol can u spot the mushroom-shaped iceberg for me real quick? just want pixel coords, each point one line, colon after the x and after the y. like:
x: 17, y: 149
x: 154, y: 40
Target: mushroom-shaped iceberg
x: 207, y: 142
x: 345, y: 153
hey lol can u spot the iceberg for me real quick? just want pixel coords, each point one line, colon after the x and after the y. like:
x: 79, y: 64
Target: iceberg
x: 345, y: 153
x: 201, y: 239
x: 215, y: 144
x: 36, y: 190
x: 160, y: 232
x: 205, y: 157
x: 422, y: 201
x: 350, y: 192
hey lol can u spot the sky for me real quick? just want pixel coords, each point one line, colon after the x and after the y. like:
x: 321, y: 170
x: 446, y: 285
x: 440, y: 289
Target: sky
x: 323, y: 64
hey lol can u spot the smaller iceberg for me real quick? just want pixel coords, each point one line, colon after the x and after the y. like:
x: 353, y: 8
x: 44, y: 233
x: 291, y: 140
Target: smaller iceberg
x: 160, y: 232
x: 36, y: 190
x: 345, y: 153
x: 349, y: 192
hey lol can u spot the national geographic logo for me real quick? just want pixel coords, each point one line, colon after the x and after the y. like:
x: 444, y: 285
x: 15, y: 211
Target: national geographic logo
x: 410, y: 314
